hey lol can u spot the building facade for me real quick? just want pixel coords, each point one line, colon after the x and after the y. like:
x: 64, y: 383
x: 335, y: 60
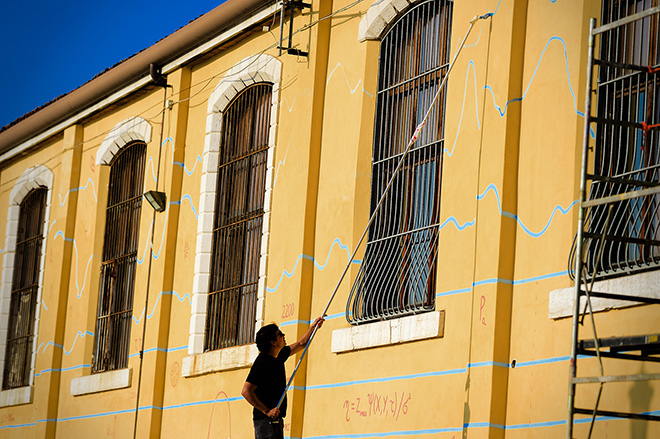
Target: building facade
x: 272, y: 131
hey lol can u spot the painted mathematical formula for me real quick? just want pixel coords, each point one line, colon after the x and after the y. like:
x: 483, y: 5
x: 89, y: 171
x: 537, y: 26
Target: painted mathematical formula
x: 375, y: 404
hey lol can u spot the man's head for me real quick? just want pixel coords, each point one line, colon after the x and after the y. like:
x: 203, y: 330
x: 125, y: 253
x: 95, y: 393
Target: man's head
x: 269, y: 336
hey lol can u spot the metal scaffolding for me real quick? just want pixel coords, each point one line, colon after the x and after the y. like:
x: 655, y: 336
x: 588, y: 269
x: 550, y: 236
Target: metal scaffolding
x: 619, y: 219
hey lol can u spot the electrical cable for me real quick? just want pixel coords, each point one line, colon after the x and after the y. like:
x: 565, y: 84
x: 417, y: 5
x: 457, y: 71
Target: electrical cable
x: 411, y: 142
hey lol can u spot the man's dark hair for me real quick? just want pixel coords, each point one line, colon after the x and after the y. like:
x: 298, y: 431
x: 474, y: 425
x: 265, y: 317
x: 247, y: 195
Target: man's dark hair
x: 265, y: 335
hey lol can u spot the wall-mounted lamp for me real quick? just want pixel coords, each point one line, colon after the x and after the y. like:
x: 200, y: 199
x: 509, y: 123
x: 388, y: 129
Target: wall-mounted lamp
x: 156, y: 199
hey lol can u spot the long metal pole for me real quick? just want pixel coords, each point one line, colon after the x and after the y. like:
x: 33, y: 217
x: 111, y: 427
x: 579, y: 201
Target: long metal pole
x: 412, y: 141
x: 578, y: 243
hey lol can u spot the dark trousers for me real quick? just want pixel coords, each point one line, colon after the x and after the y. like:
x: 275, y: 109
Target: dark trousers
x: 269, y: 429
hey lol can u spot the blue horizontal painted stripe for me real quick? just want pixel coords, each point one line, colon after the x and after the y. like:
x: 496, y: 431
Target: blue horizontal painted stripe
x: 307, y: 322
x: 383, y: 380
x: 96, y: 415
x: 488, y: 363
x: 159, y: 349
x: 530, y: 425
x: 64, y: 369
x: 31, y: 424
x: 495, y: 280
x: 541, y: 277
x: 452, y: 292
x: 483, y: 425
x: 543, y: 361
x: 192, y: 404
x: 384, y: 434
x: 536, y: 425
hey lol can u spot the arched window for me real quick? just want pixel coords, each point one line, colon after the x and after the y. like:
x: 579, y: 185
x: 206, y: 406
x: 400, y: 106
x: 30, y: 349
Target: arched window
x: 239, y: 212
x: 397, y: 275
x: 24, y: 290
x: 117, y: 283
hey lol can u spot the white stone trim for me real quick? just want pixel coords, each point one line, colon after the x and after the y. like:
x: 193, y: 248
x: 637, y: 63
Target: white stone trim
x: 101, y: 382
x: 17, y: 396
x: 129, y: 130
x: 32, y: 178
x: 251, y: 70
x: 379, y: 16
x: 224, y: 359
x: 389, y: 332
x: 560, y: 303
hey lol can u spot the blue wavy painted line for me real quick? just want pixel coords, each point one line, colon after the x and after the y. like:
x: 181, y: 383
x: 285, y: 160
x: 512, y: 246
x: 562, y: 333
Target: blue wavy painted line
x: 476, y: 105
x: 454, y: 221
x: 183, y: 165
x: 43, y: 303
x: 162, y: 237
x: 162, y: 293
x: 283, y: 161
x: 80, y: 334
x: 79, y: 290
x: 564, y: 211
x: 288, y: 274
x: 529, y: 84
x: 153, y: 171
x: 81, y: 188
x: 189, y: 198
x: 339, y: 65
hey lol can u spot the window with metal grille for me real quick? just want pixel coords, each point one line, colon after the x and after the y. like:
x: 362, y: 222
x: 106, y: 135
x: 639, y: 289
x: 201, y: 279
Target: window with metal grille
x: 397, y: 274
x: 239, y: 215
x: 24, y: 289
x: 117, y: 283
x: 627, y: 152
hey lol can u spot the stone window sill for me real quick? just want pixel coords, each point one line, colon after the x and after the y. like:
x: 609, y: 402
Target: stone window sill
x: 389, y: 332
x: 18, y: 396
x: 647, y: 284
x: 236, y: 357
x: 101, y: 382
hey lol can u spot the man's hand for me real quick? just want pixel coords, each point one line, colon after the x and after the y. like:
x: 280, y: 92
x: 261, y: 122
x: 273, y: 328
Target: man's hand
x: 304, y: 339
x: 273, y: 413
x: 318, y: 322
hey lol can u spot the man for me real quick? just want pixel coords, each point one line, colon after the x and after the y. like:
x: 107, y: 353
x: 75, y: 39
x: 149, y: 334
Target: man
x: 266, y: 381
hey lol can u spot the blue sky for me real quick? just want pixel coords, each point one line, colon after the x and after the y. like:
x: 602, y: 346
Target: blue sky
x: 50, y: 48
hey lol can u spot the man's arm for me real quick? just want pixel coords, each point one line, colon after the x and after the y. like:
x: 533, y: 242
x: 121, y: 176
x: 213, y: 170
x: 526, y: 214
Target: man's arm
x: 302, y: 341
x: 250, y: 396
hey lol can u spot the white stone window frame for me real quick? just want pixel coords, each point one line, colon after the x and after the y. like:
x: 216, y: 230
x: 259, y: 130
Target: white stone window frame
x: 129, y: 130
x: 133, y: 129
x: 33, y: 178
x: 380, y: 15
x: 249, y: 71
x: 561, y: 302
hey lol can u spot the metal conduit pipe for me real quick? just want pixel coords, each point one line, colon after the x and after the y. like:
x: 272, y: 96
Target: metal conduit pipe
x: 169, y: 48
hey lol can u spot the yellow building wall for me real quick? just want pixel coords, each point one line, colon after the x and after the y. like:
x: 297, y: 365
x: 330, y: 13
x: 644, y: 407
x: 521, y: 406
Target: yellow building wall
x: 514, y: 123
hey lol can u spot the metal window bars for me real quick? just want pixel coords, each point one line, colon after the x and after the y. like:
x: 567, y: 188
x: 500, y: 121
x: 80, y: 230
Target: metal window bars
x: 397, y: 274
x: 25, y: 286
x: 120, y: 245
x: 619, y: 219
x: 232, y: 299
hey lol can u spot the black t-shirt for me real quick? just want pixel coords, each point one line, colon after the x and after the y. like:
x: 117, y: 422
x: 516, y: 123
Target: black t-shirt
x: 269, y: 375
